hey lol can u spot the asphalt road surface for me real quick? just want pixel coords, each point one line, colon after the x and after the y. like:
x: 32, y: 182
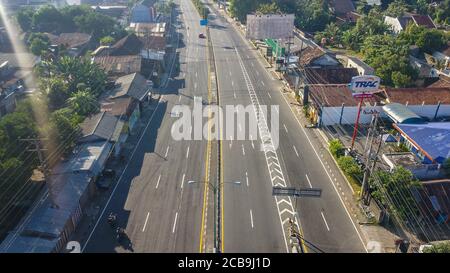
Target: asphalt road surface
x: 162, y: 213
x: 252, y: 222
x: 158, y: 210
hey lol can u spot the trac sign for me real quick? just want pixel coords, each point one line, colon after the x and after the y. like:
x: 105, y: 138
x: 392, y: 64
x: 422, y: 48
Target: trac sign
x: 365, y: 84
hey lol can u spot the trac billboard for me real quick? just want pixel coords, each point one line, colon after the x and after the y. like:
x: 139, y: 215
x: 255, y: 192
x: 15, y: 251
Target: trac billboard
x: 270, y: 26
x: 364, y: 86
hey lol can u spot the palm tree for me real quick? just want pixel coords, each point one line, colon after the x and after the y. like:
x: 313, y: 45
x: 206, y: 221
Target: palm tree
x: 83, y: 102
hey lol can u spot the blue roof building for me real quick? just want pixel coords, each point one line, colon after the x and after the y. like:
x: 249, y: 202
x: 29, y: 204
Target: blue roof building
x: 429, y: 141
x: 141, y: 14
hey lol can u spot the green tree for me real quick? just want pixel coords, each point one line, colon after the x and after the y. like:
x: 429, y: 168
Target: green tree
x: 38, y: 43
x: 387, y: 55
x: 65, y: 129
x: 25, y: 18
x: 98, y: 24
x: 56, y: 91
x: 372, y: 24
x: 48, y: 19
x: 438, y: 248
x: 107, y: 40
x: 349, y: 166
x: 313, y: 15
x: 399, y: 186
x: 428, y: 40
x: 268, y: 8
x: 396, y: 8
x: 83, y: 102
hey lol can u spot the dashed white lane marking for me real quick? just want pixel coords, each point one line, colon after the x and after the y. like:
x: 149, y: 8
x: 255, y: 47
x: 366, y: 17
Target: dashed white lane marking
x: 253, y: 64
x: 232, y: 83
x: 309, y: 181
x: 257, y: 73
x: 234, y: 95
x: 295, y: 149
x: 145, y: 223
x: 246, y: 178
x: 195, y: 85
x: 179, y: 98
x: 175, y: 222
x: 285, y: 128
x: 240, y: 127
x: 270, y: 97
x: 187, y: 153
x: 196, y: 74
x: 182, y: 180
x: 243, y: 150
x: 167, y: 151
x: 229, y: 71
x: 251, y: 218
x: 157, y: 183
x: 325, y: 221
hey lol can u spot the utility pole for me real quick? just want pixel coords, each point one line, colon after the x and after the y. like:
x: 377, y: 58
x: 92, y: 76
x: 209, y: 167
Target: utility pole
x: 369, y: 168
x: 43, y: 166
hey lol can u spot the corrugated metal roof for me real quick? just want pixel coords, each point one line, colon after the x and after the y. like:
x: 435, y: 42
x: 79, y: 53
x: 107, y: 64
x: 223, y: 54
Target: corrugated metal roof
x: 433, y: 138
x: 399, y: 113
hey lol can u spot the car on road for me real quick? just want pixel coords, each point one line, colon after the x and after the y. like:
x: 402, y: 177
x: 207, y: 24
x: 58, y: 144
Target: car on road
x: 202, y: 36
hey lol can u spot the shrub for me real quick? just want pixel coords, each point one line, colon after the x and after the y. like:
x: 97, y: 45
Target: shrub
x: 349, y: 166
x: 336, y: 148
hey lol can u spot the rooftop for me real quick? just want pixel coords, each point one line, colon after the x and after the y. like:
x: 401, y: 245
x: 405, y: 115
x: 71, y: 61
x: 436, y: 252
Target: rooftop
x: 399, y: 113
x: 433, y: 138
x: 126, y: 64
x: 418, y: 96
x: 338, y: 75
x: 70, y: 40
x: 132, y: 85
x: 333, y: 95
x: 101, y: 125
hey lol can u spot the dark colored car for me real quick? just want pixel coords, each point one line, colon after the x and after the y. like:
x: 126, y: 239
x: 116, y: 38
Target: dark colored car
x: 201, y: 36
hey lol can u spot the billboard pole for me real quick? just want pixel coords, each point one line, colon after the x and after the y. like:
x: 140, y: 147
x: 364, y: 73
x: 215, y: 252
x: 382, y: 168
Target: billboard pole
x: 355, y: 131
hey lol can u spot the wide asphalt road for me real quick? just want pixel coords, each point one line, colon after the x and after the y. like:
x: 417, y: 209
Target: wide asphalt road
x: 158, y: 209
x: 253, y: 220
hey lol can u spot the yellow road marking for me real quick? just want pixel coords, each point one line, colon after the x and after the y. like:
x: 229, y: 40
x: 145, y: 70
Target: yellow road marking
x: 207, y: 158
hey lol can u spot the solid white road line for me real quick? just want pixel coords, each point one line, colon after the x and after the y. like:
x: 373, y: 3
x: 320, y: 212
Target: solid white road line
x: 325, y: 221
x: 251, y: 218
x: 157, y: 183
x: 145, y: 223
x: 167, y: 151
x: 175, y: 223
x: 187, y: 153
x: 309, y: 181
x: 243, y: 150
x: 246, y: 178
x: 182, y: 180
x: 295, y: 149
x: 285, y: 128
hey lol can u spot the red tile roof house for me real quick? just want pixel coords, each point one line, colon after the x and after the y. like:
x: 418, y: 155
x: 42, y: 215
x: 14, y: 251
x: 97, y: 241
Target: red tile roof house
x: 75, y: 43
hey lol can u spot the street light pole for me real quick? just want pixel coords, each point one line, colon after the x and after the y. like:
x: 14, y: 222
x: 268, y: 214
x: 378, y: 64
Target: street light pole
x: 214, y: 189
